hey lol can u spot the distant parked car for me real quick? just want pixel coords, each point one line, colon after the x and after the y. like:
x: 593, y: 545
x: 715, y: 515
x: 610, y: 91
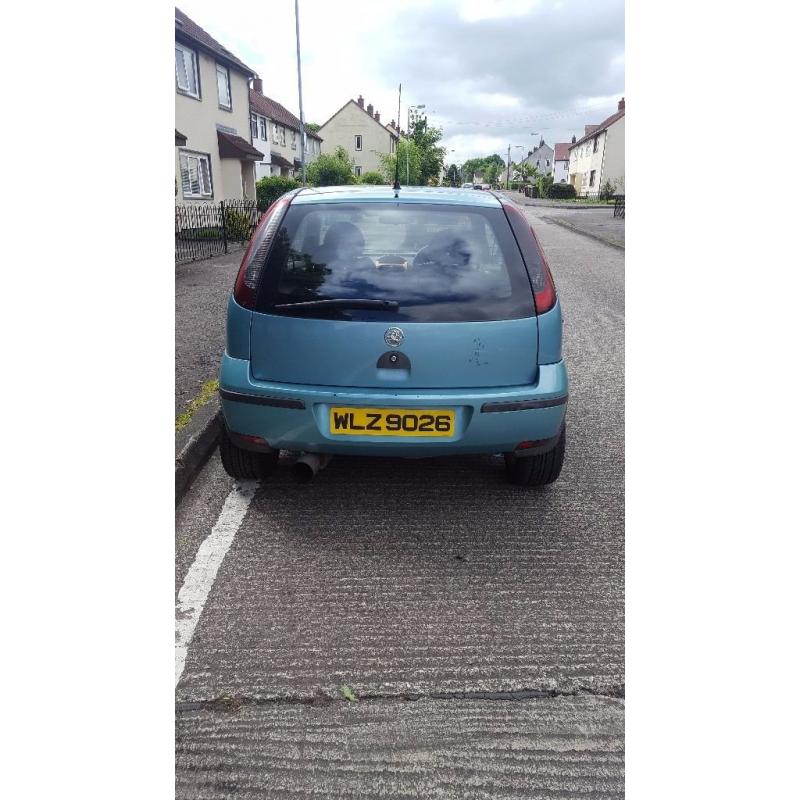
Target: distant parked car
x: 416, y: 323
x: 478, y: 186
x: 466, y: 186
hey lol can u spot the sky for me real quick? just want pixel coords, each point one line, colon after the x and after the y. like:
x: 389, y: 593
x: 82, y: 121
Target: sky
x: 489, y: 72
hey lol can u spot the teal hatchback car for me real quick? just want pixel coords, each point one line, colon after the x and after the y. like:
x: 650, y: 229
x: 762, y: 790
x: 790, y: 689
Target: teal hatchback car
x: 416, y: 322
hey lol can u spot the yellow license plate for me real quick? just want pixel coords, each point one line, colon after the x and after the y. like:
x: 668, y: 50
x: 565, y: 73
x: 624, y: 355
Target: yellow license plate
x: 392, y: 422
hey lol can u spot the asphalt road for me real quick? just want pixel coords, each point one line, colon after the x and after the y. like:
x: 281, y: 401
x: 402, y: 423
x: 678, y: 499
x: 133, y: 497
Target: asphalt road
x: 479, y: 625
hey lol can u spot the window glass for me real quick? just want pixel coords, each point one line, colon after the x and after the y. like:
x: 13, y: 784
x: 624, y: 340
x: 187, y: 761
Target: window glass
x: 440, y: 263
x: 283, y: 135
x: 223, y: 86
x: 195, y: 175
x: 186, y: 70
x: 263, y: 126
x: 253, y: 126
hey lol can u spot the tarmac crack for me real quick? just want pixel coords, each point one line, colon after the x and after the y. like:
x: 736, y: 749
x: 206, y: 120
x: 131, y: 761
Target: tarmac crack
x: 320, y: 699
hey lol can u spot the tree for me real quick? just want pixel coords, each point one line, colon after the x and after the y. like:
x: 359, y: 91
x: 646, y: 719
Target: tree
x: 493, y: 163
x: 452, y: 175
x: 313, y: 127
x: 410, y: 163
x: 431, y: 156
x: 331, y: 169
x: 527, y: 172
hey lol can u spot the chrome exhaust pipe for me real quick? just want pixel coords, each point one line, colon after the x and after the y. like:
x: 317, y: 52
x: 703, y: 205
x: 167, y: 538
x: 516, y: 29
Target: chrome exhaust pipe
x: 308, y: 465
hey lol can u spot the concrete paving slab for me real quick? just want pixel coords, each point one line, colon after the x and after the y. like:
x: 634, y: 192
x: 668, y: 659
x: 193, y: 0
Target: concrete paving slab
x: 565, y: 747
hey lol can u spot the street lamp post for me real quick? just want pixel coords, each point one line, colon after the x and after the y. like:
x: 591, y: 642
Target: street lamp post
x: 300, y: 94
x: 508, y: 161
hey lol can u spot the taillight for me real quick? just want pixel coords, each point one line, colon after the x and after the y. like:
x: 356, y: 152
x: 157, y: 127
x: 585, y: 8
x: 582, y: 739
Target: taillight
x: 255, y: 256
x: 544, y: 298
x: 544, y: 290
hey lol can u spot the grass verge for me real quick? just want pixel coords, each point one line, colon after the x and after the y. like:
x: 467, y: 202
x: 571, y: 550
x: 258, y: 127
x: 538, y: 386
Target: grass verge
x: 207, y: 391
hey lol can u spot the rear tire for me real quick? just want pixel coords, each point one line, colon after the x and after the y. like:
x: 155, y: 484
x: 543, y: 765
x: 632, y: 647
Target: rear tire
x: 244, y: 464
x: 537, y: 470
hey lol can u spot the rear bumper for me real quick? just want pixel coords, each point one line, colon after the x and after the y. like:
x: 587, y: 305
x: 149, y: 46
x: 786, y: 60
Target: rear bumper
x: 295, y: 416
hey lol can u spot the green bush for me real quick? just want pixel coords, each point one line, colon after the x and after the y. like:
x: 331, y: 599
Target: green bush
x: 331, y: 169
x: 543, y: 184
x: 237, y: 225
x: 608, y: 190
x: 372, y: 177
x: 561, y: 191
x: 268, y: 190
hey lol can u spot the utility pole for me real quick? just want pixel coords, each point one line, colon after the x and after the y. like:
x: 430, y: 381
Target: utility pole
x: 300, y: 93
x: 508, y: 165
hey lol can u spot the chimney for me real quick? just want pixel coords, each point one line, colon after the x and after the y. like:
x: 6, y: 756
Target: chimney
x: 587, y: 129
x: 392, y: 124
x: 541, y: 142
x: 530, y: 153
x: 258, y: 85
x: 621, y: 105
x: 377, y: 116
x: 360, y: 101
x: 573, y: 140
x: 369, y: 109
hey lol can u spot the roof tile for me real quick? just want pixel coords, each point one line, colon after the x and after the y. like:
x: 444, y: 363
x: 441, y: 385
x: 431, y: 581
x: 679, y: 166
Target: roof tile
x: 193, y: 31
x: 277, y: 113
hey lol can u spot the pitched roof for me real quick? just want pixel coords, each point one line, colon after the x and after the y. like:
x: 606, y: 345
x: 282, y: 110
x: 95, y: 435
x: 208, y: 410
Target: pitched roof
x: 387, y: 127
x: 277, y: 113
x: 189, y: 29
x: 231, y: 146
x: 562, y: 151
x: 606, y: 123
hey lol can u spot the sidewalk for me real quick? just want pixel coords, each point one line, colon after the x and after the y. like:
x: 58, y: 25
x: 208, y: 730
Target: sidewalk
x: 595, y: 221
x: 201, y: 299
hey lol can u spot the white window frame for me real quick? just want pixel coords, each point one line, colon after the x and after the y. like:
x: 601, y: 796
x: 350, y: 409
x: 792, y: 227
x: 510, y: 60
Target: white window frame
x: 359, y: 141
x: 222, y: 70
x: 294, y: 140
x: 192, y: 56
x: 275, y: 133
x: 205, y: 188
x: 254, y: 126
x: 263, y: 128
x: 357, y: 171
x: 283, y: 136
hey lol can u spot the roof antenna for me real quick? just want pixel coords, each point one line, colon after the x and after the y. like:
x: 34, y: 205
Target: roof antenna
x: 396, y: 186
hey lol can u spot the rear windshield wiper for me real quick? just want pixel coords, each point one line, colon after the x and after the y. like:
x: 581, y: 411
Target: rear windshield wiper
x: 345, y: 302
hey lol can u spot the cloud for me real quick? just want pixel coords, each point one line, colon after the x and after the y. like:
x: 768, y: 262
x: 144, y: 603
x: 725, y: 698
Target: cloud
x: 489, y: 73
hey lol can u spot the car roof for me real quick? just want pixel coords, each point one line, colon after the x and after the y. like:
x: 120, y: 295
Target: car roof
x: 383, y: 194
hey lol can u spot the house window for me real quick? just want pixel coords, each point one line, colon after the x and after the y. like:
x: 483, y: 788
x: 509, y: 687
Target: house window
x: 548, y: 162
x: 392, y: 145
x: 195, y: 175
x: 283, y: 136
x: 358, y: 171
x: 262, y: 125
x: 253, y: 126
x: 223, y: 87
x: 591, y: 178
x: 294, y: 140
x: 275, y: 135
x: 358, y: 142
x: 186, y: 71
x: 595, y: 144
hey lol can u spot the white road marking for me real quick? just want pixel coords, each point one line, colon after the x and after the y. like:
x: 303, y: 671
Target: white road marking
x: 200, y: 578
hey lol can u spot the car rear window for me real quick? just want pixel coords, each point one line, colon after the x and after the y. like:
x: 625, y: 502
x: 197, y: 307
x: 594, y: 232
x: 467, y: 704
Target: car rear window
x: 438, y: 263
